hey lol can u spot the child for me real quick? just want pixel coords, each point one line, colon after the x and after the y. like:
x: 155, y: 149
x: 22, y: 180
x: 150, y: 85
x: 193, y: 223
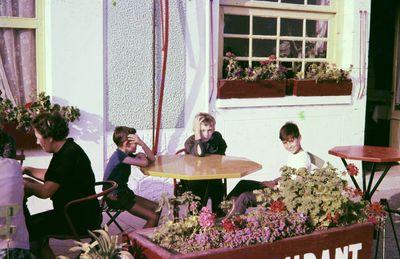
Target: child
x: 205, y: 141
x: 290, y: 136
x: 118, y: 169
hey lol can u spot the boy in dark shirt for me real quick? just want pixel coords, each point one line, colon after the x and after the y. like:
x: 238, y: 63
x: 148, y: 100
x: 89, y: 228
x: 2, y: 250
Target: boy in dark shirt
x: 118, y: 169
x: 206, y: 141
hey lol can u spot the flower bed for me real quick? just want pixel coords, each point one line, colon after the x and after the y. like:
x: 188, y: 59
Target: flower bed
x: 353, y: 241
x: 304, y: 204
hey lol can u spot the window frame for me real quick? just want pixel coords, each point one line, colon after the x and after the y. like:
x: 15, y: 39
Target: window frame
x: 279, y: 10
x: 37, y: 24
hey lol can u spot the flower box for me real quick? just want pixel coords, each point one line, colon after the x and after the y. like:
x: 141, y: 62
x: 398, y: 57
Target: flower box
x: 325, y: 88
x: 258, y: 89
x: 354, y: 241
x: 23, y: 140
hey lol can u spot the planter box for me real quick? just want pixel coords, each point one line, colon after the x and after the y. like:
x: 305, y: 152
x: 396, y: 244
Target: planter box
x: 242, y: 89
x: 23, y: 140
x: 353, y: 241
x: 311, y: 88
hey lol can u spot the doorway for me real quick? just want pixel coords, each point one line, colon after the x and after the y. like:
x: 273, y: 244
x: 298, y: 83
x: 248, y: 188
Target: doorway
x: 380, y: 73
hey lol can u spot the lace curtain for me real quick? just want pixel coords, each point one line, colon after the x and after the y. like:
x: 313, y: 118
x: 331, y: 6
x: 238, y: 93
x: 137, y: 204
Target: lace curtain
x: 17, y: 54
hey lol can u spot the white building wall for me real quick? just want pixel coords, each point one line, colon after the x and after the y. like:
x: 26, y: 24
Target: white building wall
x: 74, y: 58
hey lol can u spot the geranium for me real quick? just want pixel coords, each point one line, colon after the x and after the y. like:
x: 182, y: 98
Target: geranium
x: 268, y: 69
x: 206, y: 218
x: 325, y: 72
x: 22, y: 115
x: 352, y: 169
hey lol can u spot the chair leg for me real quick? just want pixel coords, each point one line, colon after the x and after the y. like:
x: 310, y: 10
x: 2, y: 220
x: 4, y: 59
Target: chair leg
x: 385, y: 203
x: 113, y: 218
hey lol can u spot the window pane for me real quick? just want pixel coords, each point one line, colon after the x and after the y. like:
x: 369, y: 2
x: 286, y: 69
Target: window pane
x: 263, y: 48
x: 319, y: 2
x: 316, y: 28
x: 236, y: 24
x: 19, y: 8
x: 240, y: 47
x: 292, y: 68
x: 315, y: 49
x: 264, y: 26
x: 18, y: 54
x: 293, y: 1
x: 290, y: 49
x: 291, y: 27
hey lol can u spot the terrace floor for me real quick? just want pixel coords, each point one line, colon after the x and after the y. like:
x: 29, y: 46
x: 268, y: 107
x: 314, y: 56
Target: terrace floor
x: 389, y: 189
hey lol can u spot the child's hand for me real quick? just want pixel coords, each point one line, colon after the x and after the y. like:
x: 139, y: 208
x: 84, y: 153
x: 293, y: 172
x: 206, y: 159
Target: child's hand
x: 135, y: 139
x: 196, y: 128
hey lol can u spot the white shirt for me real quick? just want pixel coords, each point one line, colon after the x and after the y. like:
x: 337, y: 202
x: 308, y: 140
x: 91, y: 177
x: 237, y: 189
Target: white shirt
x: 12, y: 192
x: 299, y: 160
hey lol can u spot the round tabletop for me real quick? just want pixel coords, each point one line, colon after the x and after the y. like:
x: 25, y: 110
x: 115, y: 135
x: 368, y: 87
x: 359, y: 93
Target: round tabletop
x: 189, y: 167
x: 367, y: 153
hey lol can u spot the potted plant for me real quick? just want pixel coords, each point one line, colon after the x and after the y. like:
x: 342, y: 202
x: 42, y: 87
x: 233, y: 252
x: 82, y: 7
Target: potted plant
x: 322, y: 79
x: 266, y: 80
x: 17, y: 118
x: 303, y: 217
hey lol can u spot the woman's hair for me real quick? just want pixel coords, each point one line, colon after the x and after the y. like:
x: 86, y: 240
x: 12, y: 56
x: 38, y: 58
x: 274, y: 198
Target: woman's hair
x: 289, y: 130
x: 51, y: 125
x: 121, y: 134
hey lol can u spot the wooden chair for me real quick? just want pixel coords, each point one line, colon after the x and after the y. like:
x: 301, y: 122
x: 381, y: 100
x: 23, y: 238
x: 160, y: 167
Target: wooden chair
x: 74, y: 233
x: 316, y: 160
x: 7, y: 212
x: 20, y: 157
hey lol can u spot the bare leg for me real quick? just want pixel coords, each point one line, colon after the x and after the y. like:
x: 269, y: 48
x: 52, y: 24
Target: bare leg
x: 145, y: 209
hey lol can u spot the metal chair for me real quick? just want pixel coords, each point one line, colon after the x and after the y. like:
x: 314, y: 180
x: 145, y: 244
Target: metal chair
x: 74, y: 233
x: 316, y: 160
x: 112, y: 213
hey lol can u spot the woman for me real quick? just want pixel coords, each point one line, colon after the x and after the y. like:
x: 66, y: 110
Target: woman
x: 68, y: 177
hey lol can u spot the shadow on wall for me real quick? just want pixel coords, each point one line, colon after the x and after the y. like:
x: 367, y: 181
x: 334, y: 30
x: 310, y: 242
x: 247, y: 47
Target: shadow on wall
x: 87, y: 128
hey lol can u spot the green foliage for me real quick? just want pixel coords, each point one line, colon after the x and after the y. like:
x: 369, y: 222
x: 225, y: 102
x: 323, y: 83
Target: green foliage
x: 325, y: 72
x: 320, y: 194
x: 105, y: 246
x: 22, y: 115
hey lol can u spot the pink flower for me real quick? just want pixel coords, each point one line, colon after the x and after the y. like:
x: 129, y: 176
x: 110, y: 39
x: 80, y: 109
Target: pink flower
x: 193, y: 206
x: 229, y: 54
x: 272, y: 58
x: 352, y: 169
x: 206, y: 218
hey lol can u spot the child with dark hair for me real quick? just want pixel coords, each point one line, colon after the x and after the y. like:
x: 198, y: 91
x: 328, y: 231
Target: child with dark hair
x: 242, y: 194
x: 118, y: 169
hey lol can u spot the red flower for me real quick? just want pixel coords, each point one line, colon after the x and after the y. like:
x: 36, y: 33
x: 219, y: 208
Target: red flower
x: 376, y: 208
x: 352, y: 169
x: 28, y: 105
x: 272, y: 58
x: 277, y: 206
x: 228, y: 225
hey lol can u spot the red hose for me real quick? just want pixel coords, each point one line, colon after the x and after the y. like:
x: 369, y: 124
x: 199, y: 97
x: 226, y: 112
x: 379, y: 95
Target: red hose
x: 163, y: 71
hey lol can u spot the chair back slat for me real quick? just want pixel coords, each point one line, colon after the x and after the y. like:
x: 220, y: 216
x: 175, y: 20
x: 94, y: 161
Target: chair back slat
x: 316, y: 160
x: 7, y: 212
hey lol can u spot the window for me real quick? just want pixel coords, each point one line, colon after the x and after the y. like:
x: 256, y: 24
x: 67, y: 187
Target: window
x: 297, y: 32
x: 21, y: 49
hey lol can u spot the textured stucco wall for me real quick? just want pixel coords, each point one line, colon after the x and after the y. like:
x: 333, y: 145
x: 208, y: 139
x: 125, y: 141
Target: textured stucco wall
x: 129, y: 40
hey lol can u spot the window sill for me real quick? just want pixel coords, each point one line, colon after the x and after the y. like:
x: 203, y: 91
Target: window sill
x: 283, y: 101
